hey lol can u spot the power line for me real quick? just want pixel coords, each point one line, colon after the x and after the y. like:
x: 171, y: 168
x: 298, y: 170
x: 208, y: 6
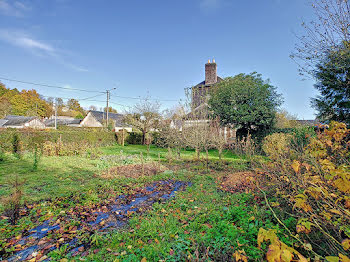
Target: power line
x: 84, y: 90
x: 52, y: 86
x: 154, y: 99
x: 90, y: 97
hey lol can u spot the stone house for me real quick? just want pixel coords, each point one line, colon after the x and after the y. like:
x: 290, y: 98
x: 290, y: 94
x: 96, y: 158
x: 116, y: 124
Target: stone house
x: 201, y: 91
x: 200, y: 95
x: 97, y: 119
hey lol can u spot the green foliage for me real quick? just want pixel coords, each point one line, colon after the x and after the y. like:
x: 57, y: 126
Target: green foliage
x: 245, y: 101
x: 134, y: 138
x: 37, y: 155
x: 333, y: 76
x: 16, y: 147
x: 200, y: 224
x: 2, y: 155
x: 24, y: 138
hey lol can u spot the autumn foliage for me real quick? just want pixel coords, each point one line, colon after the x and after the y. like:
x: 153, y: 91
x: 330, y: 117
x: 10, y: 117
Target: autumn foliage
x: 313, y: 184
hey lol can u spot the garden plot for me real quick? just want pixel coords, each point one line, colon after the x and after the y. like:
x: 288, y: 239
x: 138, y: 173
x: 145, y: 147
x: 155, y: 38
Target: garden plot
x: 71, y: 230
x: 134, y: 170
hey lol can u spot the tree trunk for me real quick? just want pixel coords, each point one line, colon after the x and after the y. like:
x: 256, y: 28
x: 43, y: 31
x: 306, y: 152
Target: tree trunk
x: 197, y: 153
x: 207, y: 156
x: 143, y: 137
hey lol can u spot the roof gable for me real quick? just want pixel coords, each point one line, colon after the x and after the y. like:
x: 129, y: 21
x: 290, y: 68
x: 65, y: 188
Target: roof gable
x: 100, y: 116
x: 13, y: 120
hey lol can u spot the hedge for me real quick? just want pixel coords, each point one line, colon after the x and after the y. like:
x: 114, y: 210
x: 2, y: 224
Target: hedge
x: 91, y: 136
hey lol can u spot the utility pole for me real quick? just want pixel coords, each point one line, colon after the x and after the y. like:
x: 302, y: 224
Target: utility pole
x: 55, y: 114
x: 107, y: 108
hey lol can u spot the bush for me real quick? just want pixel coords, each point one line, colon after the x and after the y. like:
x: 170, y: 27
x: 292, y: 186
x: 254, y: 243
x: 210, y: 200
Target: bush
x: 65, y: 149
x: 92, y: 136
x: 134, y: 138
x: 277, y: 145
x: 16, y: 147
x: 2, y: 155
x: 314, y: 185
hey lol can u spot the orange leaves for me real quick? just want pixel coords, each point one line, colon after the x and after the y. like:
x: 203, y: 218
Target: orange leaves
x: 240, y: 256
x: 277, y: 250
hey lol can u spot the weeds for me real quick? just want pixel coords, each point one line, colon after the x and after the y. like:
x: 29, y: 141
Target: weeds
x: 12, y: 203
x: 16, y: 148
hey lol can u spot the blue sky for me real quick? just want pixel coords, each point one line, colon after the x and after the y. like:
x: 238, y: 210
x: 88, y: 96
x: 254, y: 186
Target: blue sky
x: 151, y: 48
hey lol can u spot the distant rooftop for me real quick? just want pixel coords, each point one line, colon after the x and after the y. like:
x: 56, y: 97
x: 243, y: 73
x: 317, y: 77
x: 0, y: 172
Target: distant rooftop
x: 13, y: 120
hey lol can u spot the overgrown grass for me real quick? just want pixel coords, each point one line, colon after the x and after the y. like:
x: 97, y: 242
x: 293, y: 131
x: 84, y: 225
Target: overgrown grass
x: 200, y: 223
x: 188, y: 154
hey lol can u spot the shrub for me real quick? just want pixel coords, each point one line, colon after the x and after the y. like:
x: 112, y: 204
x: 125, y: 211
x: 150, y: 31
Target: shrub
x: 277, y: 145
x: 122, y: 137
x: 92, y: 136
x: 12, y: 203
x: 65, y: 149
x: 16, y: 150
x: 314, y: 185
x: 134, y: 138
x: 244, y: 146
x: 2, y: 155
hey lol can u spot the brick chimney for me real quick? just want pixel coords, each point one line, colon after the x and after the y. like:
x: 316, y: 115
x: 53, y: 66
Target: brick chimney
x: 210, y: 73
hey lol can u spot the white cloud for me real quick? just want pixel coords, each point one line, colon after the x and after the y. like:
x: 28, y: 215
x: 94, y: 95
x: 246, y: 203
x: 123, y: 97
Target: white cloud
x: 13, y: 8
x: 37, y: 47
x: 25, y: 41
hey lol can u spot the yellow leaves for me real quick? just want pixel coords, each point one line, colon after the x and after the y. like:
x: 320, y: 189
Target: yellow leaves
x: 343, y: 183
x: 240, y: 256
x: 340, y: 258
x: 296, y: 166
x: 300, y: 202
x: 346, y: 244
x: 277, y: 250
x: 144, y: 260
x: 344, y: 258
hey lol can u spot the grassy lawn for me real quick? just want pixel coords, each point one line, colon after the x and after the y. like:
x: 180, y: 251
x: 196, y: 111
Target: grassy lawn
x: 163, y: 152
x: 200, y: 223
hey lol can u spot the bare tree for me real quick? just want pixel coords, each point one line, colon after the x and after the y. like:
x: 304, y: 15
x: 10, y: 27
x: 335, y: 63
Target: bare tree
x: 170, y: 131
x: 330, y: 32
x: 145, y: 116
x: 218, y: 139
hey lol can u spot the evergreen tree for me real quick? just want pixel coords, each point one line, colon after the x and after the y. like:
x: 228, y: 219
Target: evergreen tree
x: 333, y: 82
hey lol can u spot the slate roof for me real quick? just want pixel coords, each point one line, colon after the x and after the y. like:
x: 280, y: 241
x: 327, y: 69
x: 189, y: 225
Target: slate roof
x: 2, y: 122
x: 308, y: 122
x: 62, y: 122
x: 17, y: 120
x: 203, y: 83
x: 118, y: 118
